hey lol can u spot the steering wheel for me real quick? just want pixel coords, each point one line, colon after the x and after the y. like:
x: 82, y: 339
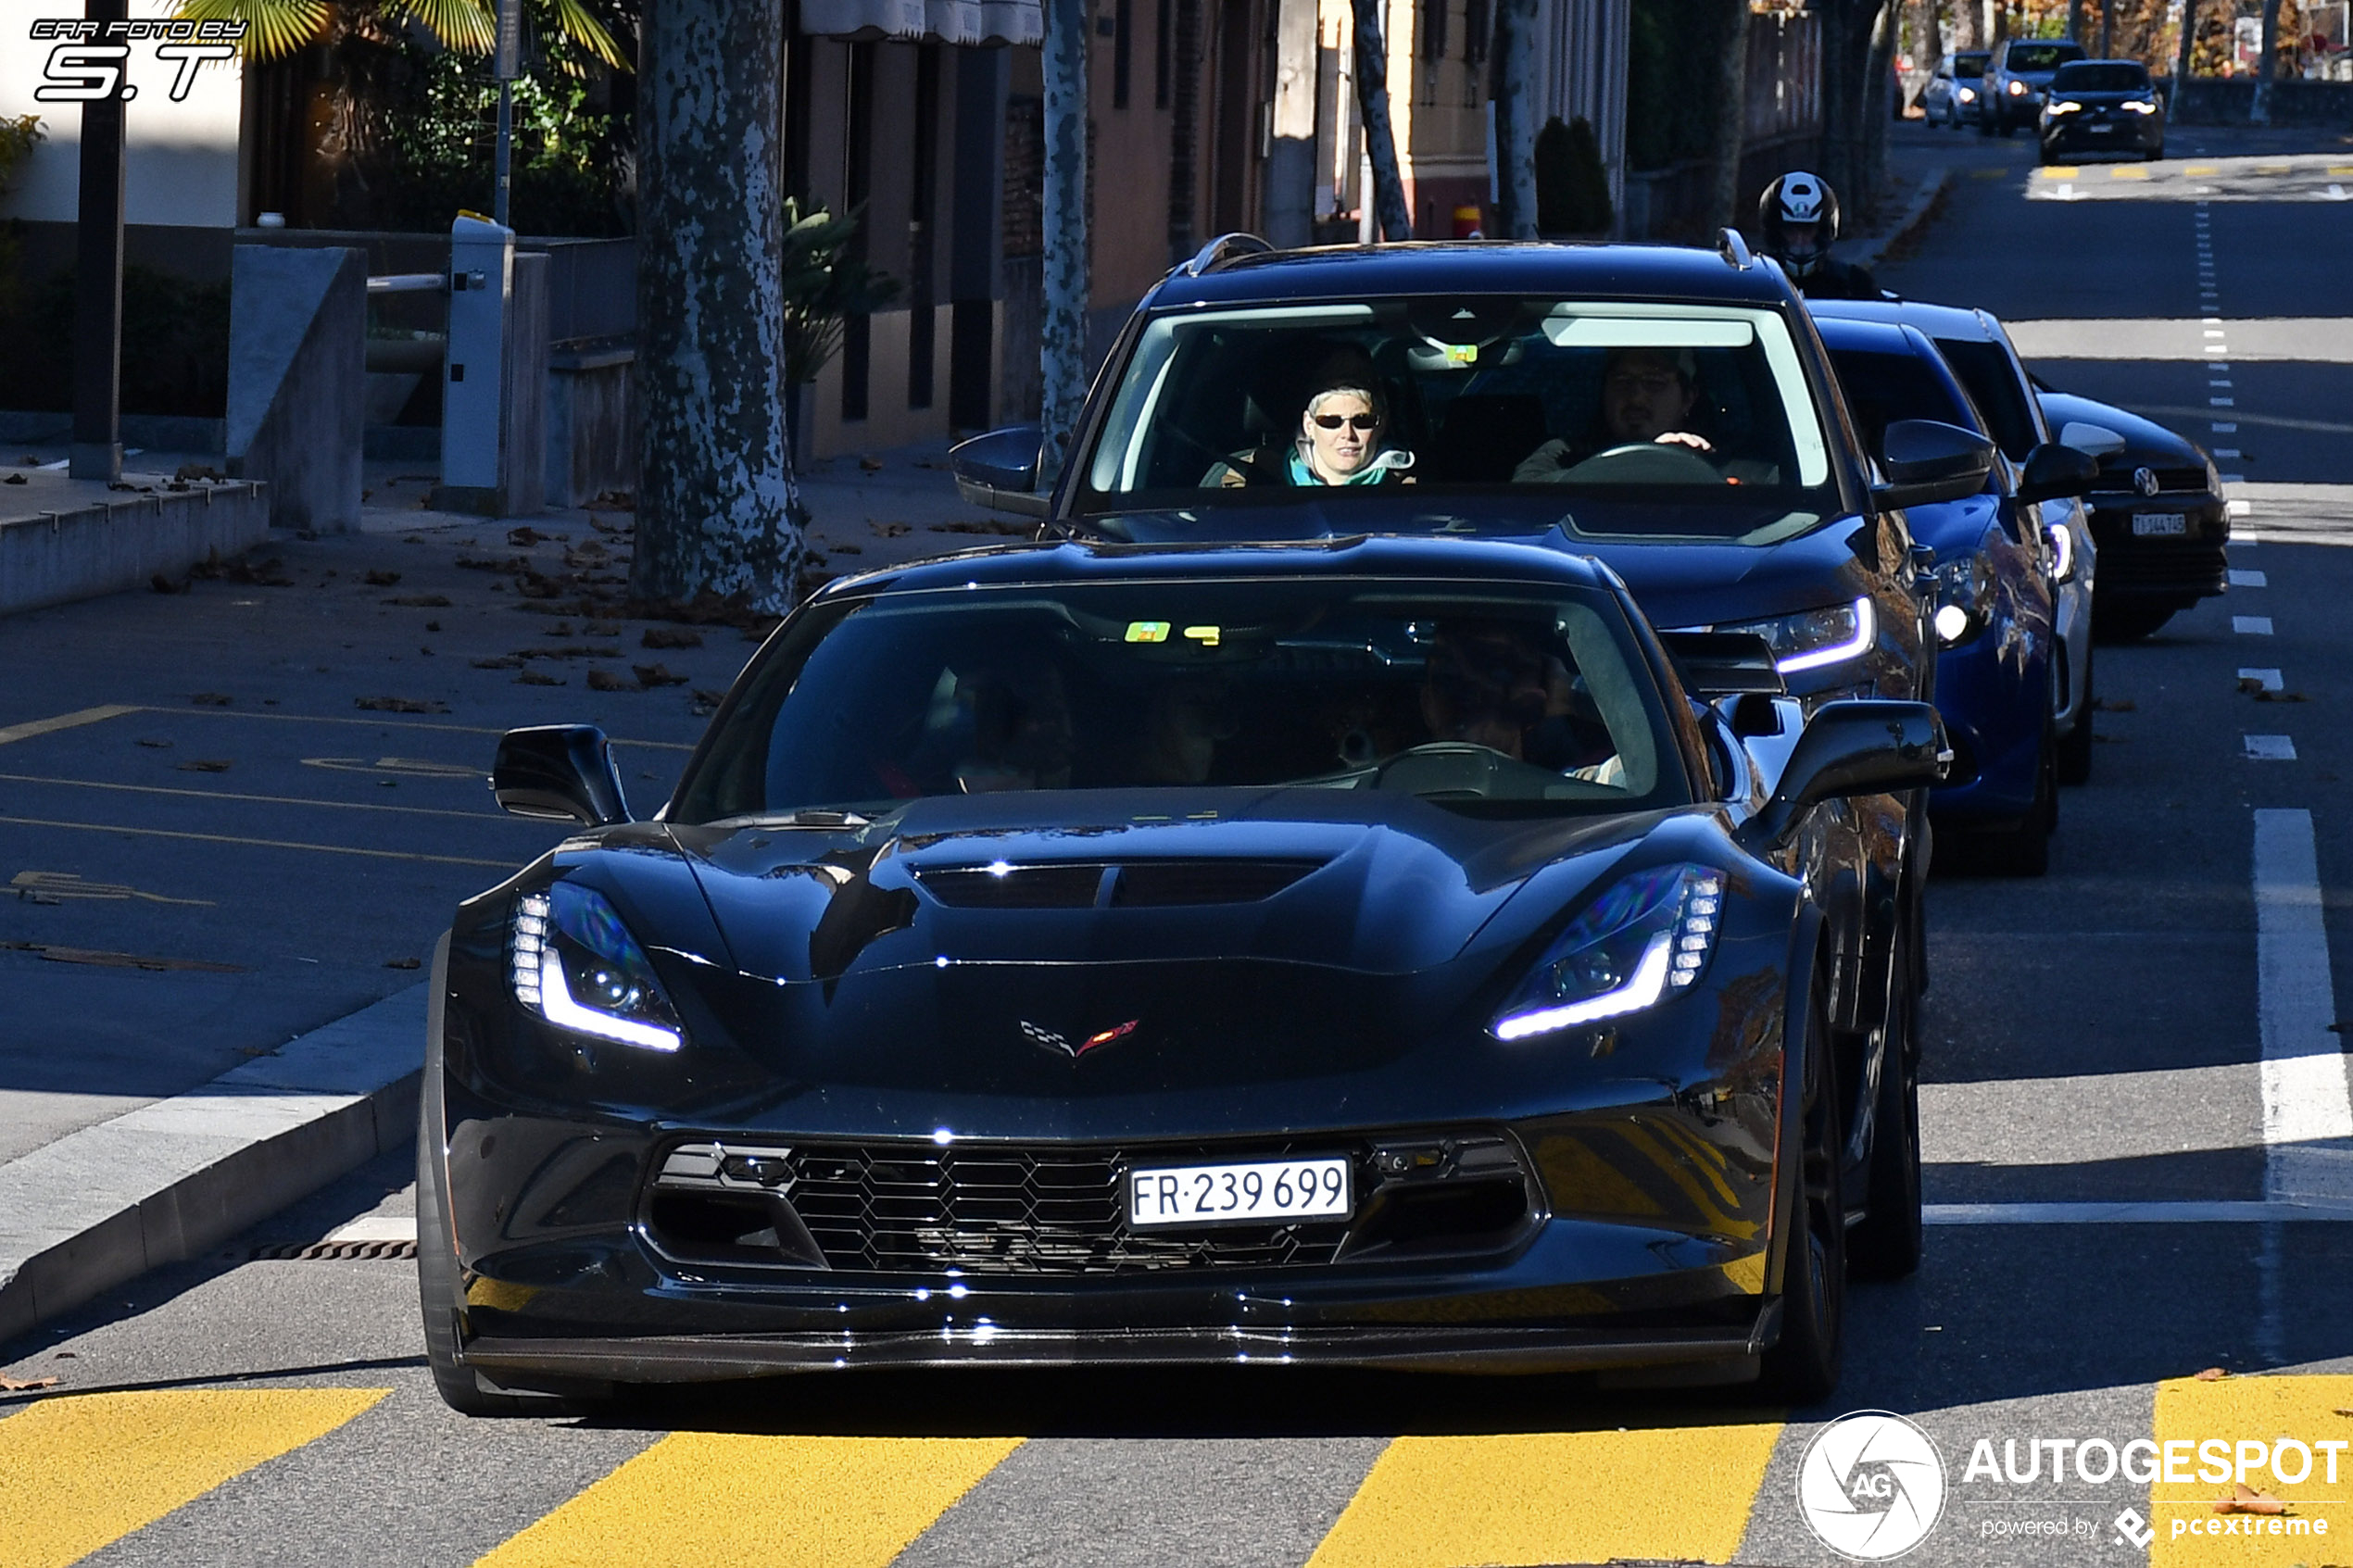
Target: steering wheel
x: 1646, y: 462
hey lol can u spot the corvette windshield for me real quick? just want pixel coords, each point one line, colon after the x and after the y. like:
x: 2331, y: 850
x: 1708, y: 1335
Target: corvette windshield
x: 1493, y: 702
x: 1689, y: 405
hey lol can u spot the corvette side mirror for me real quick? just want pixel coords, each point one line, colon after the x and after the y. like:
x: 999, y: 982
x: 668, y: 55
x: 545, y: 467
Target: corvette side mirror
x: 2057, y: 469
x: 1864, y: 747
x: 1927, y: 461
x: 999, y: 471
x: 559, y: 772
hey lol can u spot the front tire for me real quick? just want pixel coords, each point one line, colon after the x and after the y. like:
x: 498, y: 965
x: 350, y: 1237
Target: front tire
x: 1887, y: 1244
x: 1803, y: 1367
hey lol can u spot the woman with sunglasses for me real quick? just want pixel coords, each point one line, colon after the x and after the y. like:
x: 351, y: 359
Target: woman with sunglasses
x: 1340, y: 439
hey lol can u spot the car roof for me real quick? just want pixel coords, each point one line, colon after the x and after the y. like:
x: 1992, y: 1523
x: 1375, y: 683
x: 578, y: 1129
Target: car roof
x: 1677, y: 273
x: 1414, y: 559
x: 1936, y: 320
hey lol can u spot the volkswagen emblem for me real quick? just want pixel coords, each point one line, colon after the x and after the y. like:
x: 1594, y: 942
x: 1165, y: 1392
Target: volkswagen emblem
x: 2144, y: 480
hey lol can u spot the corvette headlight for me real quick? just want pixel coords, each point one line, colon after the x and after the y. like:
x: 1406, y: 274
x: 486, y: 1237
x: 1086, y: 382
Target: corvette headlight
x: 2062, y: 551
x: 1964, y: 599
x: 2061, y: 107
x: 1646, y: 939
x: 1817, y: 637
x: 2141, y: 105
x: 573, y: 963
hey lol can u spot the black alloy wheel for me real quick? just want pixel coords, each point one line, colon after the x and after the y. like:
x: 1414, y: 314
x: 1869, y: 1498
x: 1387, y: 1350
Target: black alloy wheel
x: 1887, y: 1244
x: 2075, y: 751
x: 1803, y: 1367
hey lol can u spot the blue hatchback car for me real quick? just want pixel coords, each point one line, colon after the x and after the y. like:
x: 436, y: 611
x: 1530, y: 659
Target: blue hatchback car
x: 1995, y: 616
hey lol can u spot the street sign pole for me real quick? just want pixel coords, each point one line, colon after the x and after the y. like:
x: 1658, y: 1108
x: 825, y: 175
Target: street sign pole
x: 96, y: 452
x: 509, y: 67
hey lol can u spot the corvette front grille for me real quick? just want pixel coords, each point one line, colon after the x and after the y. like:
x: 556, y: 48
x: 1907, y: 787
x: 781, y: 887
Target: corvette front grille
x: 1015, y: 1211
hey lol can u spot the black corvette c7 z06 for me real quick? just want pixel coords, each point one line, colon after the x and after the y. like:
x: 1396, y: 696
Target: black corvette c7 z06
x: 1361, y: 953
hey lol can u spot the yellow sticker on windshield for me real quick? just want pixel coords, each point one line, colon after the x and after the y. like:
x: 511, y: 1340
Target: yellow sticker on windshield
x: 1205, y: 636
x: 1461, y: 354
x: 1148, y: 631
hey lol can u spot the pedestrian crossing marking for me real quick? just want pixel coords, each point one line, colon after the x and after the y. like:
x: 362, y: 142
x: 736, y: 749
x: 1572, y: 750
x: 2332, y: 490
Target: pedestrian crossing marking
x: 1673, y: 1492
x: 2255, y: 1410
x: 760, y: 1502
x: 83, y: 1470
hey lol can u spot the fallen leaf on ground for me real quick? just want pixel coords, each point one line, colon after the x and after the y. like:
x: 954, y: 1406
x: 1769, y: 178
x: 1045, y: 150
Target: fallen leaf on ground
x: 2115, y: 705
x: 2244, y: 1499
x: 871, y: 465
x: 198, y: 470
x: 524, y: 537
x: 504, y: 661
x: 381, y: 577
x: 117, y: 960
x: 157, y: 745
x: 670, y: 637
x: 25, y: 1386
x: 601, y: 629
x: 2212, y: 1374
x: 400, y: 705
x: 208, y: 699
x: 652, y: 675
x: 535, y: 678
x: 888, y: 529
x: 205, y: 765
x: 704, y: 694
x: 606, y: 680
x: 14, y: 479
x: 432, y: 625
x: 513, y: 563
x: 1005, y: 528
x: 163, y: 584
x: 420, y: 601
x: 401, y: 964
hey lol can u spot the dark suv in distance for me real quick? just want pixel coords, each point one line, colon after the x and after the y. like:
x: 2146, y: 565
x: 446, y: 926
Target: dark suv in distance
x: 1669, y: 412
x: 2016, y: 78
x: 2102, y: 106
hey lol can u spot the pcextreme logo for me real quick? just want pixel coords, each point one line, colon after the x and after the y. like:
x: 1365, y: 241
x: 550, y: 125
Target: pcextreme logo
x: 89, y: 61
x: 1871, y: 1485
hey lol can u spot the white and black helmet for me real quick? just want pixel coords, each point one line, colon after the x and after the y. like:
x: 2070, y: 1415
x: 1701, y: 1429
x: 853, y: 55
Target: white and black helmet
x: 1797, y: 219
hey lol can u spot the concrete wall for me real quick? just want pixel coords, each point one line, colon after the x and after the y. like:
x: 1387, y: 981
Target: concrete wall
x: 2216, y: 100
x: 88, y: 546
x: 297, y: 377
x: 179, y: 159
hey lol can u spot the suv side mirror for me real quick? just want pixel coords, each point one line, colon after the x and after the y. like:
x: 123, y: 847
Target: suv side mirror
x: 999, y: 471
x: 2053, y: 470
x: 1927, y: 461
x: 2092, y: 441
x: 1860, y: 746
x: 559, y: 771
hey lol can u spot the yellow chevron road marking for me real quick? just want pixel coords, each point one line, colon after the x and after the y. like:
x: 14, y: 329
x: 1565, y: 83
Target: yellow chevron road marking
x: 760, y: 1502
x: 1680, y: 1493
x: 2128, y: 171
x: 81, y: 1470
x: 2254, y: 1411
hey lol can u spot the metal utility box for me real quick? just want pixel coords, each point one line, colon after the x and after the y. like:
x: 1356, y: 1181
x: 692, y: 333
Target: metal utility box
x: 493, y: 418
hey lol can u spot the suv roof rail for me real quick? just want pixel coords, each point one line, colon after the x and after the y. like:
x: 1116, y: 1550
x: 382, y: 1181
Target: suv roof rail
x: 1224, y: 248
x: 1733, y: 248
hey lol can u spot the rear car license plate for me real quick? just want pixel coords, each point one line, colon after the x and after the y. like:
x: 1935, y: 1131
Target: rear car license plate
x: 2150, y: 525
x: 1257, y: 1192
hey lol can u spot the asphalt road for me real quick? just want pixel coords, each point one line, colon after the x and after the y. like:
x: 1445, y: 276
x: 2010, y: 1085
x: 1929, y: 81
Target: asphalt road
x: 2127, y: 1031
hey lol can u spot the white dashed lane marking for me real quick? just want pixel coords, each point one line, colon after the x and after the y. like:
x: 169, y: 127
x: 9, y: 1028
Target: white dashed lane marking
x: 2251, y: 625
x: 2265, y: 680
x: 2306, y: 1100
x: 2269, y: 749
x: 2241, y: 578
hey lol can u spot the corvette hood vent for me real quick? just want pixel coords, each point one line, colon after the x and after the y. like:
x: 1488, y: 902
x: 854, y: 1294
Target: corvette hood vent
x: 1153, y: 883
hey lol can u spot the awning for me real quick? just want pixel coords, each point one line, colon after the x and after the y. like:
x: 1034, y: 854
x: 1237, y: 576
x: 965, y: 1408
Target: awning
x: 937, y: 21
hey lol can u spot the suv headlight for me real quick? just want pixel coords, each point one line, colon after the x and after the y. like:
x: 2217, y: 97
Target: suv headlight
x: 1964, y: 599
x: 2141, y: 105
x: 2062, y: 106
x: 2018, y: 89
x: 1969, y: 95
x: 1817, y: 637
x: 573, y: 962
x: 2062, y: 551
x: 1647, y: 937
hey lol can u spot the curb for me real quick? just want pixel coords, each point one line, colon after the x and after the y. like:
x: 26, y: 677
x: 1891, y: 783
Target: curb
x: 1869, y: 252
x: 170, y: 1179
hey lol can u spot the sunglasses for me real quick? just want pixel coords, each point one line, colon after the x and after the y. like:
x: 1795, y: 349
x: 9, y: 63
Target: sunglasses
x: 1357, y: 422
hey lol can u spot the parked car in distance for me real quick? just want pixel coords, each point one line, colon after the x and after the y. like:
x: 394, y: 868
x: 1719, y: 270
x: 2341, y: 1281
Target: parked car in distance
x: 1951, y: 97
x: 2102, y: 106
x: 1349, y: 955
x: 2017, y: 75
x: 1995, y: 618
x: 1982, y: 355
x: 2159, y: 518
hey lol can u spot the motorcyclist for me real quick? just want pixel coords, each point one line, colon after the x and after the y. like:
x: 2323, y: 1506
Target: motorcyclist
x: 1796, y: 221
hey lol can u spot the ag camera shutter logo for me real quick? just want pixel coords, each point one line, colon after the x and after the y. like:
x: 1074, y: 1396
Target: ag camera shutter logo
x: 1871, y: 1485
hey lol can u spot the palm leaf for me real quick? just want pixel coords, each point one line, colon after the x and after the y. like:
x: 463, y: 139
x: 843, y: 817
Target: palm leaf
x: 576, y: 22
x: 274, y: 28
x: 470, y: 27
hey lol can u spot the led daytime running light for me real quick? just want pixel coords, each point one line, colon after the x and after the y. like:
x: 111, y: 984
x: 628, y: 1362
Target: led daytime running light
x: 1866, y: 634
x: 1683, y: 907
x: 1645, y: 986
x: 556, y: 1004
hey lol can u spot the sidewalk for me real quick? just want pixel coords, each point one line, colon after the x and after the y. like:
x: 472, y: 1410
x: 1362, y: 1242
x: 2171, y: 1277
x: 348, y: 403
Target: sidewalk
x: 234, y: 819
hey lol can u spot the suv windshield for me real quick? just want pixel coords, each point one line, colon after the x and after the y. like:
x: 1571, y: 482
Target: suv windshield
x: 1992, y: 380
x: 1884, y: 388
x: 1695, y: 404
x: 2101, y: 76
x: 1969, y: 65
x: 2041, y: 57
x: 1489, y: 701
